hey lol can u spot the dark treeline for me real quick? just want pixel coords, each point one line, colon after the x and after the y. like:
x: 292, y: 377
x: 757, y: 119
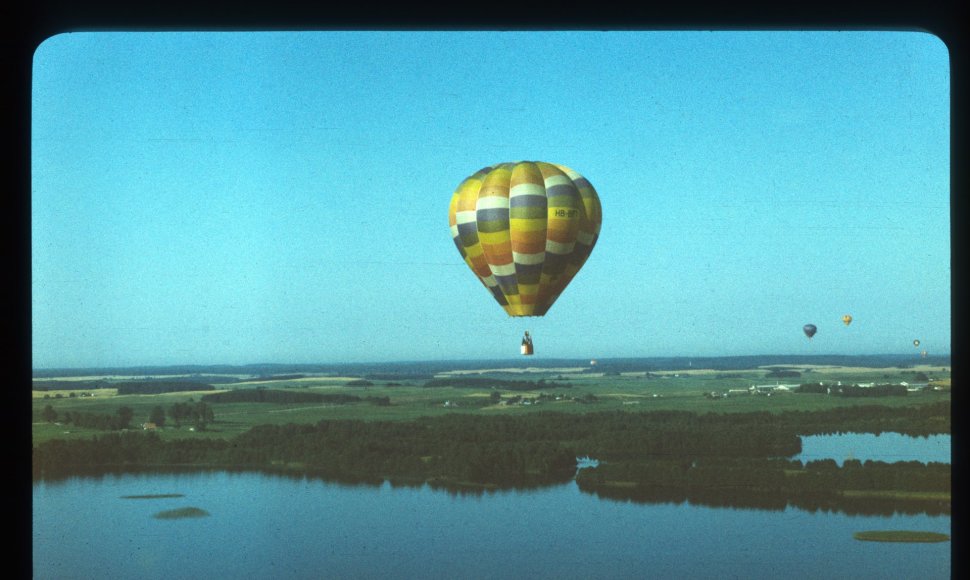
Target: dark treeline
x: 288, y: 397
x: 782, y: 374
x: 348, y: 450
x: 198, y: 413
x: 53, y: 385
x: 277, y: 396
x: 403, y: 376
x: 203, y: 379
x: 856, y: 487
x: 121, y: 419
x: 459, y: 447
x: 506, y: 384
x: 359, y: 383
x: 157, y: 387
x: 141, y: 386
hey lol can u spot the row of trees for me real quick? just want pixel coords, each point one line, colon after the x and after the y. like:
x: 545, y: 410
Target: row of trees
x: 121, y: 419
x: 289, y: 397
x: 197, y: 413
x: 278, y: 396
x: 478, y: 383
x: 55, y: 385
x: 157, y: 387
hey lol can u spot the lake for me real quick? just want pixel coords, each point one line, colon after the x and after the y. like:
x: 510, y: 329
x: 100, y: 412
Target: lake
x: 269, y: 526
x: 888, y: 447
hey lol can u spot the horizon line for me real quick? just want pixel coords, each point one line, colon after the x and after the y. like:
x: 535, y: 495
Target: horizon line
x: 504, y: 360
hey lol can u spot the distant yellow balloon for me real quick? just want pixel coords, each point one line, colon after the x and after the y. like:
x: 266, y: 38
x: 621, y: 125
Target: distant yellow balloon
x: 847, y: 319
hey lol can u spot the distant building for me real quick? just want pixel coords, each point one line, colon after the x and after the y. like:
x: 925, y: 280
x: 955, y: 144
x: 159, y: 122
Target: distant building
x: 768, y: 389
x: 149, y: 426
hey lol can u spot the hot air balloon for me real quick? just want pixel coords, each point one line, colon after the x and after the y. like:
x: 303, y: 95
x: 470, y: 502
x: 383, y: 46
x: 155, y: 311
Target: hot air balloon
x: 847, y: 319
x: 916, y: 343
x: 923, y: 354
x: 525, y: 229
x: 810, y: 330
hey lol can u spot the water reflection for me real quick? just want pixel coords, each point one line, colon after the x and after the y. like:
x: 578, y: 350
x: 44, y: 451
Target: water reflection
x: 888, y: 447
x: 729, y: 497
x: 266, y: 525
x: 752, y: 500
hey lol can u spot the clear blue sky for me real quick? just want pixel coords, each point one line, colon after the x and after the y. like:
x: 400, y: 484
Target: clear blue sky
x: 249, y: 197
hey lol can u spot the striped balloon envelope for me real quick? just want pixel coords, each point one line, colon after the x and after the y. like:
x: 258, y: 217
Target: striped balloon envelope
x: 525, y: 229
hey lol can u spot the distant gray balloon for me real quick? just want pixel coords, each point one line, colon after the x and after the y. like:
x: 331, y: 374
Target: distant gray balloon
x: 810, y: 330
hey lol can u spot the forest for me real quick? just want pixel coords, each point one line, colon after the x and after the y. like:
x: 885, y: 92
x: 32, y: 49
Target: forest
x: 506, y: 384
x: 653, y: 454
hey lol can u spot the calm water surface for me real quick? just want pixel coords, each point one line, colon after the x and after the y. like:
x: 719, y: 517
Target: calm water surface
x: 888, y: 447
x: 267, y: 526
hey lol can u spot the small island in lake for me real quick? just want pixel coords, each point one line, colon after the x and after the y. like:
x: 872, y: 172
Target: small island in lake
x: 900, y: 536
x: 186, y: 512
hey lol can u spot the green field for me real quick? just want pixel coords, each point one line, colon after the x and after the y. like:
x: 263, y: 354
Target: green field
x: 565, y: 390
